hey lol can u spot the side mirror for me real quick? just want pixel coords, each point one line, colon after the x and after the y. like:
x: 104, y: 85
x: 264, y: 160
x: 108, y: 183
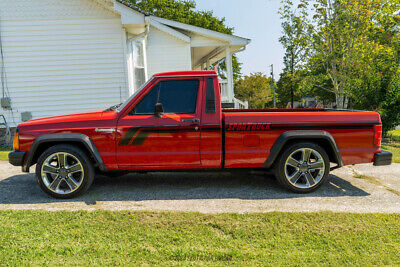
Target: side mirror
x: 158, y: 110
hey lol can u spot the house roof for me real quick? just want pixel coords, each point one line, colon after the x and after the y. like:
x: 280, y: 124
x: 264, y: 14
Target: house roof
x: 161, y: 22
x: 233, y: 39
x: 135, y: 9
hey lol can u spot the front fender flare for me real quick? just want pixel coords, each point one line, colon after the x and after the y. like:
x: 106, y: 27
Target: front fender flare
x: 310, y: 135
x: 64, y: 138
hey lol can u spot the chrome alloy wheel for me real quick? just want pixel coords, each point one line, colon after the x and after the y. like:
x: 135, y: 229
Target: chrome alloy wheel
x: 304, y: 168
x: 62, y: 173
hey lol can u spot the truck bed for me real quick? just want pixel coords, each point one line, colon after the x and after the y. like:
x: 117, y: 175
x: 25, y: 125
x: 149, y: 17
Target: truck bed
x: 253, y: 132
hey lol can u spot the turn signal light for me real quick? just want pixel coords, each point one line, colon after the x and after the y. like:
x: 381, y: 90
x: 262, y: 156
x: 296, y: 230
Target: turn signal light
x: 378, y: 135
x: 16, y: 141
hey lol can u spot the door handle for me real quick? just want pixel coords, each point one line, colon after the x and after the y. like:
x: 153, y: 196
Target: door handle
x: 191, y: 120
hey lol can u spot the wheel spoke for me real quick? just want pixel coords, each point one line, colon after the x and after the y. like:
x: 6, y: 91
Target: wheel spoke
x: 72, y: 184
x: 295, y: 177
x: 310, y: 178
x: 75, y: 168
x: 50, y: 169
x: 61, y: 160
x: 317, y: 165
x: 56, y: 183
x: 306, y: 155
x: 292, y: 162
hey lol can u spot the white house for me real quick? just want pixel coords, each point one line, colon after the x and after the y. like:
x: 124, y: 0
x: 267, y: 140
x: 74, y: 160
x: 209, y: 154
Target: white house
x: 64, y: 56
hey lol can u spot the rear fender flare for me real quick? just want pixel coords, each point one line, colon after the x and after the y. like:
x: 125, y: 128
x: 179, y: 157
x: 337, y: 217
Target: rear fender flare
x: 64, y: 138
x: 311, y: 135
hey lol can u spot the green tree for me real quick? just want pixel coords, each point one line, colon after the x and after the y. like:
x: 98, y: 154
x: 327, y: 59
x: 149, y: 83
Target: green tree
x: 185, y: 11
x: 354, y: 56
x: 255, y: 88
x: 340, y: 29
x: 295, y: 40
x: 289, y: 87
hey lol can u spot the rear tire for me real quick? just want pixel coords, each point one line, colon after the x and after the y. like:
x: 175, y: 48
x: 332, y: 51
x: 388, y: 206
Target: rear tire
x: 302, y: 168
x: 64, y: 172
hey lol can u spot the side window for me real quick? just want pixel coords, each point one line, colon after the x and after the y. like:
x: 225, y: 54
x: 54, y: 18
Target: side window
x: 147, y: 104
x: 179, y: 97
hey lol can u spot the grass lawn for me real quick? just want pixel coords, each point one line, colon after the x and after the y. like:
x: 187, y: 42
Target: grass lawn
x: 4, y: 153
x: 110, y: 238
x: 393, y: 145
x: 394, y: 135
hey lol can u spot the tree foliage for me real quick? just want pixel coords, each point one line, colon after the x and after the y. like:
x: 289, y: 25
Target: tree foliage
x: 295, y: 40
x: 352, y: 55
x: 185, y: 11
x: 256, y: 89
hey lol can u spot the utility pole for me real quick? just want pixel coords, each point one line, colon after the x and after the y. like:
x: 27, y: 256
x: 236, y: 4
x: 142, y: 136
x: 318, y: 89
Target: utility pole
x: 273, y: 83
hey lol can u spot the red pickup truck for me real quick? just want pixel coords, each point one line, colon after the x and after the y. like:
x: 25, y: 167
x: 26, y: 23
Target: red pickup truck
x: 175, y: 122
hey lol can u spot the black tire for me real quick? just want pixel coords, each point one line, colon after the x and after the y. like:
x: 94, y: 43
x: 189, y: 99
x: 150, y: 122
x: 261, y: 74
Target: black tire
x: 86, y: 175
x: 283, y: 169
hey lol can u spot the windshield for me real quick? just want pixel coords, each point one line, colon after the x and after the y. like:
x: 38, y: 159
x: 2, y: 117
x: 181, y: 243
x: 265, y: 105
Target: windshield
x: 122, y: 106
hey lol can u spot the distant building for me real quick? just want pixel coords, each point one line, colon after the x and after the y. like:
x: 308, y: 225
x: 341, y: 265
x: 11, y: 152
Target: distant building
x: 310, y: 102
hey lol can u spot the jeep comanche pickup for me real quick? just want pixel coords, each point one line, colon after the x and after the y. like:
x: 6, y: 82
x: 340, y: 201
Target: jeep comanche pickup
x: 175, y: 122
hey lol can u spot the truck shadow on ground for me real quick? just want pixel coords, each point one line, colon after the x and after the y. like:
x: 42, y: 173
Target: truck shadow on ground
x: 23, y: 189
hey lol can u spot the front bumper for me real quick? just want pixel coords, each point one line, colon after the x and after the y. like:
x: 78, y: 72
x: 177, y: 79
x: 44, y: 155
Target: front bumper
x: 383, y: 158
x: 16, y: 158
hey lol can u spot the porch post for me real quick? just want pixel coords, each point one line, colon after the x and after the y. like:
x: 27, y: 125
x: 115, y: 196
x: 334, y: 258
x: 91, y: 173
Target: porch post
x: 229, y: 71
x: 144, y: 43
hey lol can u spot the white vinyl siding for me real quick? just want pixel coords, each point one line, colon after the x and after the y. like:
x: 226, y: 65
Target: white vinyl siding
x: 62, y: 56
x: 167, y: 53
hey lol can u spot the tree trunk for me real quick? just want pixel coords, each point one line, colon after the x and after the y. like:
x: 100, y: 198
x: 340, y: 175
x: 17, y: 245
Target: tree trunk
x: 341, y: 101
x: 341, y: 98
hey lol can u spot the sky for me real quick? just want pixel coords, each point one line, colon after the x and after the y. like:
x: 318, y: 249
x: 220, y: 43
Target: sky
x: 257, y: 20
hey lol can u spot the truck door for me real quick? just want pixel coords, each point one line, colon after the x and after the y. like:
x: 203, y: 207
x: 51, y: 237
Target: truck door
x: 171, y: 139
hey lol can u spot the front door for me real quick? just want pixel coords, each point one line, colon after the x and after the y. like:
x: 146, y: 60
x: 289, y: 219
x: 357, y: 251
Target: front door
x: 173, y: 139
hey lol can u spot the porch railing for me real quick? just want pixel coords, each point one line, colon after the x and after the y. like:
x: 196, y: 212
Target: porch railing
x: 240, y: 104
x: 223, y: 84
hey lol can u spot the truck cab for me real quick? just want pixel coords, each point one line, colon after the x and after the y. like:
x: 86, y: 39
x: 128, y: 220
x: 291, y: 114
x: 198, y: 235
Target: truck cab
x: 176, y: 122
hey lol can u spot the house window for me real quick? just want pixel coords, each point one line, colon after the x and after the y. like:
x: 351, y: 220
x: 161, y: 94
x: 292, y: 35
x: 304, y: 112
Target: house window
x: 136, y: 64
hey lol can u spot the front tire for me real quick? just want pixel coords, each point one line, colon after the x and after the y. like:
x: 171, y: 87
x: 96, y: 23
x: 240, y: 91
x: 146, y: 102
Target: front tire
x: 64, y: 171
x: 303, y: 167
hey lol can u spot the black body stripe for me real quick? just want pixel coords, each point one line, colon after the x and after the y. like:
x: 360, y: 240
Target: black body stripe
x: 140, y: 138
x: 129, y: 139
x: 128, y: 136
x: 301, y: 127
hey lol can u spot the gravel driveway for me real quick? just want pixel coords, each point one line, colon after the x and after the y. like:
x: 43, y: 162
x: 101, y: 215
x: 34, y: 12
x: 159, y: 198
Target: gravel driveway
x: 348, y: 190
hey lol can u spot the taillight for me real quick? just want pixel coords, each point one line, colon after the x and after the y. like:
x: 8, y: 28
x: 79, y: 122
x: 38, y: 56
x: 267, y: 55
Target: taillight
x: 16, y: 141
x: 378, y: 135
